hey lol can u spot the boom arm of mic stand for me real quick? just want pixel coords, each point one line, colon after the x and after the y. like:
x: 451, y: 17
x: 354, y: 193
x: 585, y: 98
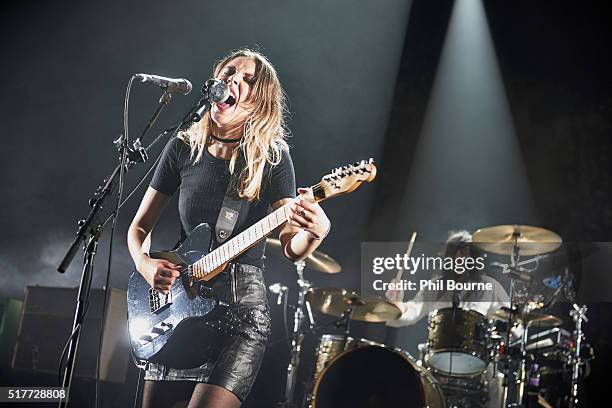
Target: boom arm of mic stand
x: 85, y: 226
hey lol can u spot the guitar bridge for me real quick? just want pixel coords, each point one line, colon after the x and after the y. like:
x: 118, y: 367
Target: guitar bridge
x: 158, y: 301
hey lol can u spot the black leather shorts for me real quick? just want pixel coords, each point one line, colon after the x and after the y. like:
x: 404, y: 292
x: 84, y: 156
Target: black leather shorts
x: 239, y: 356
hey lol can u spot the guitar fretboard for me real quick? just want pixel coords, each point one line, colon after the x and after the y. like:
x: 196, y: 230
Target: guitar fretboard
x: 241, y: 242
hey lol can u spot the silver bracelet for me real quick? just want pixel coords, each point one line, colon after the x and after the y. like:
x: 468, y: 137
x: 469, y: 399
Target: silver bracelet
x: 317, y: 238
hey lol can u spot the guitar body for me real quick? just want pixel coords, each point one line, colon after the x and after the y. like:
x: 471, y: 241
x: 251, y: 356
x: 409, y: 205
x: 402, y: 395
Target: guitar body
x: 162, y: 327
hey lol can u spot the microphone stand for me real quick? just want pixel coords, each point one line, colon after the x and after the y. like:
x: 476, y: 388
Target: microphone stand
x: 297, y: 336
x: 90, y: 229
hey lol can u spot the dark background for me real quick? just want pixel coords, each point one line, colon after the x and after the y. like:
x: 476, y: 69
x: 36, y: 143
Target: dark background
x: 361, y: 78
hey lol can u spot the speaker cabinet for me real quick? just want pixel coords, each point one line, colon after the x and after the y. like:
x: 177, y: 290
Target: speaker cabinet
x: 10, y: 314
x: 46, y: 324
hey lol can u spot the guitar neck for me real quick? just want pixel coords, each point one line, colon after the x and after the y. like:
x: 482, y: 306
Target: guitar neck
x: 240, y: 243
x: 211, y: 264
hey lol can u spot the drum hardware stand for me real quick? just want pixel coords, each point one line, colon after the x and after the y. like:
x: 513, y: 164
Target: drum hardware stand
x: 515, y: 272
x: 297, y: 335
x: 346, y: 323
x: 522, y: 377
x: 579, y: 315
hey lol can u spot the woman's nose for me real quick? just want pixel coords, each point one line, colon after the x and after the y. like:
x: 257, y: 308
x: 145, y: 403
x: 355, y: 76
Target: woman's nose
x: 234, y: 78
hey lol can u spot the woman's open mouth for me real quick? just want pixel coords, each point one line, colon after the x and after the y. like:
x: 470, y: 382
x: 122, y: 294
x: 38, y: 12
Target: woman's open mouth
x: 230, y: 101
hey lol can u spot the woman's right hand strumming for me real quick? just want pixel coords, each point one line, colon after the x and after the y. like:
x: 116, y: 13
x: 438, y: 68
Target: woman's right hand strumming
x: 159, y: 273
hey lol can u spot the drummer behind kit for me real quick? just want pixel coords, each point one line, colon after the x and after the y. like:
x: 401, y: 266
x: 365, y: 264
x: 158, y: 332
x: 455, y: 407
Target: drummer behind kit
x: 489, y: 357
x: 459, y: 347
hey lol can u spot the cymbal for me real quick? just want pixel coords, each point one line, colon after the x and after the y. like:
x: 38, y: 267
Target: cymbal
x: 318, y: 260
x: 531, y: 319
x: 500, y: 239
x: 336, y: 301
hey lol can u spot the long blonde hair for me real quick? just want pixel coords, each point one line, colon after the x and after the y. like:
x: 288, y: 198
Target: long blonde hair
x: 264, y: 130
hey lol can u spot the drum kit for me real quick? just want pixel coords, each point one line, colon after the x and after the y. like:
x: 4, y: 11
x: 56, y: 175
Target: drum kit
x: 517, y: 357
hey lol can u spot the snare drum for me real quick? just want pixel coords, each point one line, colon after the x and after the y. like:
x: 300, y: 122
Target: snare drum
x: 458, y: 342
x: 373, y: 375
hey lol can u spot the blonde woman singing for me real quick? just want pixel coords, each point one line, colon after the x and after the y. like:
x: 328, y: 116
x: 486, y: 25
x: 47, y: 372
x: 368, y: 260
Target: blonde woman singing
x: 198, y: 165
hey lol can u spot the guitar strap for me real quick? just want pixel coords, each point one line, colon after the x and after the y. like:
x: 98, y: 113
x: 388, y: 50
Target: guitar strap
x: 234, y: 209
x: 233, y: 213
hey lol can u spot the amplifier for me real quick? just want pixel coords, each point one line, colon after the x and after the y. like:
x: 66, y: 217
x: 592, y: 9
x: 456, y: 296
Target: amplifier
x: 46, y: 324
x: 10, y: 313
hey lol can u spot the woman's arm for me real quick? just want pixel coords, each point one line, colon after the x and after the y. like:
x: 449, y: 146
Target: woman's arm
x: 160, y: 274
x: 307, y: 226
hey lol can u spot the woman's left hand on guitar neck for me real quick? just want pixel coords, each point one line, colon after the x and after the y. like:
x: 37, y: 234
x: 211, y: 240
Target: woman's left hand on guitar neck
x: 308, y: 225
x: 309, y: 216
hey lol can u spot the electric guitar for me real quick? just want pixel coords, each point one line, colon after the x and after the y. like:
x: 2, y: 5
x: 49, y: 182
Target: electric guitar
x: 161, y: 325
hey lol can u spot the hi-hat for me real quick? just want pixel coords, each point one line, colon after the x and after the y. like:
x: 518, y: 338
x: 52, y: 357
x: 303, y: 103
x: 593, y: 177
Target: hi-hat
x: 501, y: 239
x: 336, y: 301
x: 531, y: 319
x: 318, y: 260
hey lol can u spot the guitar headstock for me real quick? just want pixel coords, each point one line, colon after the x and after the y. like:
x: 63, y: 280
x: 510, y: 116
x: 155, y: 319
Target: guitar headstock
x: 345, y: 179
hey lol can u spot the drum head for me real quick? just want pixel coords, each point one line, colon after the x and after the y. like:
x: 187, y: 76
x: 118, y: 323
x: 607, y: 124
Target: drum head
x: 369, y: 377
x: 456, y: 363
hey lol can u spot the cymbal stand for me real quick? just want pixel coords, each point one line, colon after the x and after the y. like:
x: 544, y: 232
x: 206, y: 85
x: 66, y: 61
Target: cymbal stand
x: 579, y: 315
x: 346, y: 323
x: 520, y: 381
x: 297, y: 335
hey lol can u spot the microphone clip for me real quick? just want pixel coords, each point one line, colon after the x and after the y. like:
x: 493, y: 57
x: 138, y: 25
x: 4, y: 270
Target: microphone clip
x: 136, y: 152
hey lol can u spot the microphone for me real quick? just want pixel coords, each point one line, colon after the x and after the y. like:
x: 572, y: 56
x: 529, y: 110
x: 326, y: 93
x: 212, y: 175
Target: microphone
x: 216, y: 90
x: 181, y: 85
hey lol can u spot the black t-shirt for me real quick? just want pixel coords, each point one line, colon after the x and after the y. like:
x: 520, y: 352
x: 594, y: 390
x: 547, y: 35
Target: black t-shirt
x: 202, y: 188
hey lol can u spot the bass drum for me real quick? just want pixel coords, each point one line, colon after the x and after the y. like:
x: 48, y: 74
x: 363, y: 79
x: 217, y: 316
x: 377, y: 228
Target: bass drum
x: 376, y: 377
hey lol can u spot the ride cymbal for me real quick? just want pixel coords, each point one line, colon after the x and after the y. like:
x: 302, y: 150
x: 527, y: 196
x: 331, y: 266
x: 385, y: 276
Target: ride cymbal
x: 531, y: 319
x: 501, y: 239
